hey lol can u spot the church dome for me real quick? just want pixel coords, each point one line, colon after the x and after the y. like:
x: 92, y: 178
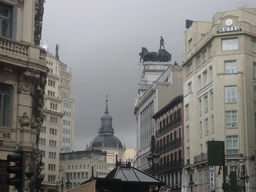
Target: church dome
x: 106, y: 138
x: 108, y: 141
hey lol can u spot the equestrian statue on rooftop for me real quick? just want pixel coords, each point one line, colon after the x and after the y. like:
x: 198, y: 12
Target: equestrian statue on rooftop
x: 161, y: 56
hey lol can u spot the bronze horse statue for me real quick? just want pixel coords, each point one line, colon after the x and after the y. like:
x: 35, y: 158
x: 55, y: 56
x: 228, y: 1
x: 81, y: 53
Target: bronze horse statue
x: 161, y: 56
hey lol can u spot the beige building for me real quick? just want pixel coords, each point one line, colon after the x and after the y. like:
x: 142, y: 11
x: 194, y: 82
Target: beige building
x: 130, y: 156
x: 219, y: 91
x: 159, y: 82
x: 79, y: 166
x: 22, y: 82
x: 57, y: 132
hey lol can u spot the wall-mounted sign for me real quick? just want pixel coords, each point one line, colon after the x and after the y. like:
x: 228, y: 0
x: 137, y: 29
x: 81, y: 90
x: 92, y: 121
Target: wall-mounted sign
x: 211, y: 178
x: 228, y: 27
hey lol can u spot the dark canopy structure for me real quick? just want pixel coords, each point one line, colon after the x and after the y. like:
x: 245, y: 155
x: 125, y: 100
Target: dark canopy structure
x: 123, y: 179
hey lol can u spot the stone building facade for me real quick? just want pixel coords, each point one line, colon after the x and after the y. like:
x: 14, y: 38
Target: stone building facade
x: 79, y: 166
x: 159, y: 83
x: 169, y: 143
x: 219, y: 91
x: 57, y: 131
x: 22, y: 83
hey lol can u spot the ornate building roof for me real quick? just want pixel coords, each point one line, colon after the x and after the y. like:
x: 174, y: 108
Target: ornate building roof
x: 106, y: 138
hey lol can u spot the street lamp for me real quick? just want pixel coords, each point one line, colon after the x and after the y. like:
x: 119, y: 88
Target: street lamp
x: 153, y: 158
x: 68, y: 184
x: 244, y: 176
x: 61, y: 186
x: 191, y: 184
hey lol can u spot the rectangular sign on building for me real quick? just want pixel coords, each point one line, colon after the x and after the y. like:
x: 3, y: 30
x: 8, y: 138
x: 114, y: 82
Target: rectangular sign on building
x: 211, y: 178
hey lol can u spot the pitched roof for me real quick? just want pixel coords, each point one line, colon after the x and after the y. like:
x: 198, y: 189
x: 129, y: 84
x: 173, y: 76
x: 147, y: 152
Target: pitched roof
x: 131, y: 174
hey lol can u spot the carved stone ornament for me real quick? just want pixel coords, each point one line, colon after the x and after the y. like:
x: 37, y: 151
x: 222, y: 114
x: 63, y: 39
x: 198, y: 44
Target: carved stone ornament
x: 34, y: 123
x: 24, y: 86
x: 31, y: 74
x: 26, y: 80
x: 39, y: 8
x: 24, y: 120
x: 4, y: 74
x: 64, y: 85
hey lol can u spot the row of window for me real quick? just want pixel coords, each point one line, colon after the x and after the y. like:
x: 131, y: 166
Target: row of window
x: 51, y: 83
x: 51, y: 178
x: 206, y: 102
x: 42, y: 141
x: 66, y: 131
x: 43, y: 129
x: 206, y: 127
x: 67, y: 114
x: 52, y: 155
x: 53, y: 119
x: 205, y: 78
x: 50, y: 70
x: 86, y: 166
x: 53, y: 143
x: 66, y: 122
x: 54, y: 106
x: 52, y: 167
x: 74, y: 176
x: 173, y: 116
x: 64, y: 94
x: 51, y: 93
x: 169, y: 138
x: 67, y: 105
x: 170, y: 158
x: 49, y: 63
x: 66, y: 140
x: 201, y: 58
x: 53, y: 131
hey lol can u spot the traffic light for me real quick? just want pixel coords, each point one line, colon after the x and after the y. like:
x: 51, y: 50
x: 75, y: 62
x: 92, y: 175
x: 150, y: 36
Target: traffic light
x: 233, y: 180
x: 18, y: 169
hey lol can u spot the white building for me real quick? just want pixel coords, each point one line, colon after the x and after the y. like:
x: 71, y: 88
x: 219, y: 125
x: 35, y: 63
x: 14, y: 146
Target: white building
x: 219, y: 91
x: 79, y: 166
x: 57, y: 131
x: 159, y: 82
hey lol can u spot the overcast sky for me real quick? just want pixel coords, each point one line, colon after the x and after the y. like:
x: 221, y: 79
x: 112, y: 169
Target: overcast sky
x: 101, y: 39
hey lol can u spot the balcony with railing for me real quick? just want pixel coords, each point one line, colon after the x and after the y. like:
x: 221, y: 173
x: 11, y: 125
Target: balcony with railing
x: 169, y: 146
x: 201, y: 158
x: 171, y: 166
x: 21, y: 51
x: 170, y: 126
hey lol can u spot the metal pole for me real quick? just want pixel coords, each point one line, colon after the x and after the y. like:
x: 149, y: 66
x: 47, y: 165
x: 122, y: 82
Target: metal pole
x: 244, y: 176
x: 224, y: 169
x: 153, y: 166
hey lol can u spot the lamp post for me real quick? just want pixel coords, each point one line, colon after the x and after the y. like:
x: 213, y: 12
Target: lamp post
x: 244, y: 176
x: 61, y: 186
x: 153, y: 158
x: 191, y: 184
x: 68, y: 183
